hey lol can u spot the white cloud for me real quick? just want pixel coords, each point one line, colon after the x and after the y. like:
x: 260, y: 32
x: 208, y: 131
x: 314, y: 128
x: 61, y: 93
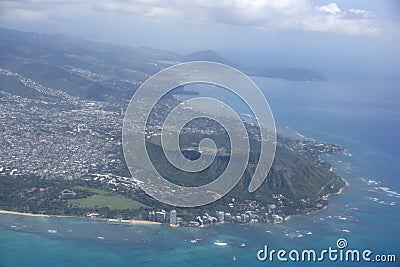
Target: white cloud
x: 298, y: 15
x: 331, y: 18
x: 332, y: 8
x: 360, y: 13
x: 161, y: 12
x: 340, y: 25
x: 24, y: 15
x: 266, y: 14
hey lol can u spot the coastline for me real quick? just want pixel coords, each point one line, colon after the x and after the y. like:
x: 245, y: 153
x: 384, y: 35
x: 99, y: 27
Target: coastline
x: 341, y: 189
x: 133, y: 222
x: 327, y: 196
x: 33, y: 215
x: 144, y: 222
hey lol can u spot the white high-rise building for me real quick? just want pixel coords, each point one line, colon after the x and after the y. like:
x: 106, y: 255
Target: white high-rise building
x: 220, y: 216
x: 172, y: 217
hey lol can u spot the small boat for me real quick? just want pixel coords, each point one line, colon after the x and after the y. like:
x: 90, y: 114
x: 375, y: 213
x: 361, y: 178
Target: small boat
x: 234, y: 258
x: 52, y: 231
x: 243, y: 245
x: 220, y: 243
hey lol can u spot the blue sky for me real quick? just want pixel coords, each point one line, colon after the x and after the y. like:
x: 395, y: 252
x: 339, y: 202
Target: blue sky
x: 323, y: 35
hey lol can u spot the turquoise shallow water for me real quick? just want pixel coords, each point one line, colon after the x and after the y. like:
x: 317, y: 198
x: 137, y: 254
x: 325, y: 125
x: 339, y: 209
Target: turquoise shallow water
x: 361, y: 116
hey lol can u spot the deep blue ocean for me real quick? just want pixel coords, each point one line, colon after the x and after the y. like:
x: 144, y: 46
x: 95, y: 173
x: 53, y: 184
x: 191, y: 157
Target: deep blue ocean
x: 362, y: 115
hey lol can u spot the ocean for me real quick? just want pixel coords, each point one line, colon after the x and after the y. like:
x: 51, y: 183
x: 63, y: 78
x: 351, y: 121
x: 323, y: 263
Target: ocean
x: 363, y: 115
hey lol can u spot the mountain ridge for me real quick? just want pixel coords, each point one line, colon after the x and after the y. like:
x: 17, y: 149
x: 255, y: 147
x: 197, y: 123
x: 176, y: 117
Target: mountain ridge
x: 121, y: 64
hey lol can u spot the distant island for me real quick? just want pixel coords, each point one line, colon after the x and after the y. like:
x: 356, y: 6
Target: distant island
x: 292, y: 74
x: 62, y: 103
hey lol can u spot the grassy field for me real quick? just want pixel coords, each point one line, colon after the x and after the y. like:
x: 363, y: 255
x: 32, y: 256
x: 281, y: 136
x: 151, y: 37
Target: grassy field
x: 102, y: 198
x: 93, y: 190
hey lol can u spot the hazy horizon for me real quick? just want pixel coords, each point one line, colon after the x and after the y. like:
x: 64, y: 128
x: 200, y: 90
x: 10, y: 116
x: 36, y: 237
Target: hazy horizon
x: 320, y: 35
